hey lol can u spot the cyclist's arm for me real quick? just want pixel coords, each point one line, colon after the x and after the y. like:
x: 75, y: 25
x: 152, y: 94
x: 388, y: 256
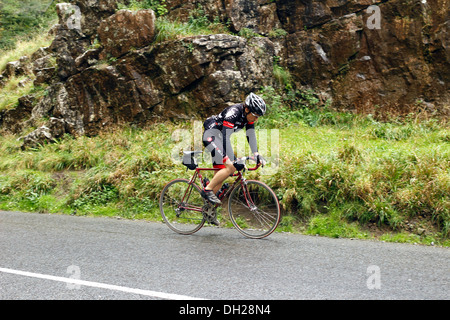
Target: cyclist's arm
x: 251, y: 137
x: 227, y: 130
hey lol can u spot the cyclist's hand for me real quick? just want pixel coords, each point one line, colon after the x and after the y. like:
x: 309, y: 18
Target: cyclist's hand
x: 239, y: 164
x: 259, y: 159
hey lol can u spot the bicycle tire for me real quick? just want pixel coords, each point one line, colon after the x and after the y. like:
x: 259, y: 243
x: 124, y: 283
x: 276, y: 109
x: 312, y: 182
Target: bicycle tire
x: 174, y: 210
x: 261, y: 217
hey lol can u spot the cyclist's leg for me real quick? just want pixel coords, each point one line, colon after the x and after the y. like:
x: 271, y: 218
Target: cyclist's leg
x: 217, y: 166
x: 220, y: 176
x: 210, y: 191
x: 219, y: 160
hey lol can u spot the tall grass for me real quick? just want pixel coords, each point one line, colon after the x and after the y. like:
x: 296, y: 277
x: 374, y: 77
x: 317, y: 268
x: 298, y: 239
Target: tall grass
x: 386, y: 181
x: 120, y: 169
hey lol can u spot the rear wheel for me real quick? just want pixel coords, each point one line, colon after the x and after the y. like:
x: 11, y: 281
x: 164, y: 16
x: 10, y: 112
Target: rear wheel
x: 254, y: 209
x: 181, y: 205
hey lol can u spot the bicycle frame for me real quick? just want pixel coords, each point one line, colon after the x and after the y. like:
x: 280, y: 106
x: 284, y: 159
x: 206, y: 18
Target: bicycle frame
x: 197, y: 174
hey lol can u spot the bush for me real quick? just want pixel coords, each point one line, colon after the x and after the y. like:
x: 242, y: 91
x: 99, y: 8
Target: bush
x: 158, y: 6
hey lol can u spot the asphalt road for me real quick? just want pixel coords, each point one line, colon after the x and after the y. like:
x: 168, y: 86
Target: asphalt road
x: 68, y: 257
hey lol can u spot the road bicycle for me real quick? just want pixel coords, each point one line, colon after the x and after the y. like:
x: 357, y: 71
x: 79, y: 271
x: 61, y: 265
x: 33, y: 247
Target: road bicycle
x: 253, y: 207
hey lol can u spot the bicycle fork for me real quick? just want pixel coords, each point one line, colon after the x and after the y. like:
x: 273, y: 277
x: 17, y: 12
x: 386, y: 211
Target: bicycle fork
x: 248, y: 199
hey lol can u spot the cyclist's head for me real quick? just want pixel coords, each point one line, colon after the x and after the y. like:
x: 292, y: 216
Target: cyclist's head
x: 255, y: 104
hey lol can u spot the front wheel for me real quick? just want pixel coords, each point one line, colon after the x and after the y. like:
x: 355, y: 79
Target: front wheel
x: 181, y: 205
x: 254, y: 209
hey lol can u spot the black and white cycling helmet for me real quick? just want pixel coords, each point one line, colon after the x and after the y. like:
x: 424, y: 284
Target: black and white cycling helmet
x: 256, y: 104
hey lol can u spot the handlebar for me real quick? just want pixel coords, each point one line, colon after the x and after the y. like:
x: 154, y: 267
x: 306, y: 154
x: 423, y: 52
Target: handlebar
x: 245, y: 159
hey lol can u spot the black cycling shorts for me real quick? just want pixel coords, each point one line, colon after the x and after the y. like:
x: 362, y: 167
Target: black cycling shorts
x: 212, y: 140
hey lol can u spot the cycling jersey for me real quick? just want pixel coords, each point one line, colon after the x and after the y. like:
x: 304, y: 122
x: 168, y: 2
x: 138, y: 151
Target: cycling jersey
x: 219, y: 128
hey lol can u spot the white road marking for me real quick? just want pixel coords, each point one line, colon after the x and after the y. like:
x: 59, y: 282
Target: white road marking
x: 155, y: 294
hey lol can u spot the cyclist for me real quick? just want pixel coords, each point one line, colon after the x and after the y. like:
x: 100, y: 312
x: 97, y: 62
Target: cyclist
x: 216, y: 139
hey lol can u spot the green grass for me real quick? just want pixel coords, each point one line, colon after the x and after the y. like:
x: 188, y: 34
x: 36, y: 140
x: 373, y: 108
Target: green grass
x: 338, y: 176
x: 332, y: 225
x: 171, y: 30
x: 14, y: 88
x: 198, y: 22
x: 24, y: 47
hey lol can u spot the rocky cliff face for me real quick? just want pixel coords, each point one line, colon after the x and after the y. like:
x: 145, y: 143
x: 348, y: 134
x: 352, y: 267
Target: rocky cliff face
x: 367, y: 56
